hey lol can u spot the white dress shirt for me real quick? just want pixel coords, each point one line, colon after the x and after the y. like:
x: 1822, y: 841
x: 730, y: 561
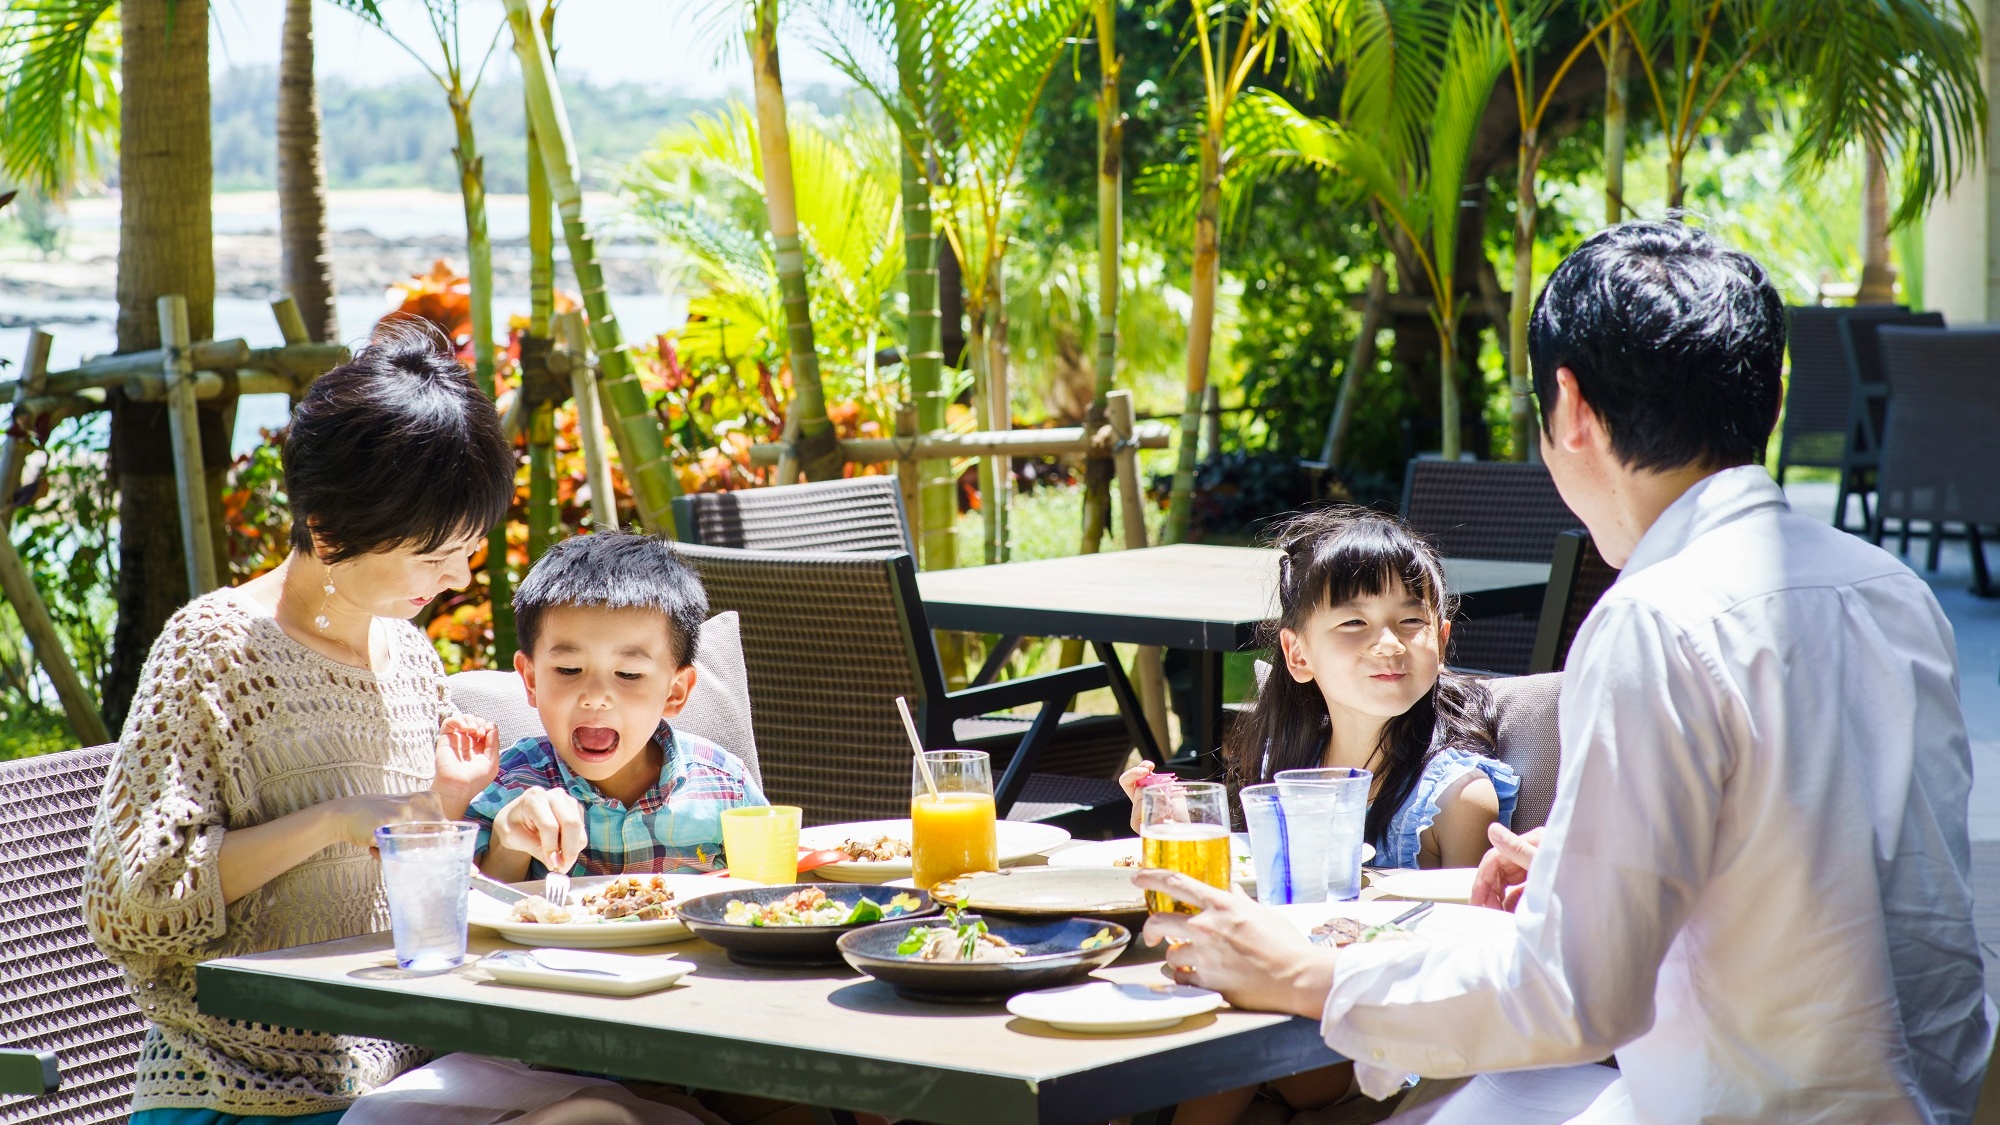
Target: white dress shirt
x: 1754, y: 886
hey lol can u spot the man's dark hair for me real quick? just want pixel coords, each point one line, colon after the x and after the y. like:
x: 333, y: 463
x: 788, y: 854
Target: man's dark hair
x: 614, y: 570
x: 1676, y: 341
x: 395, y: 448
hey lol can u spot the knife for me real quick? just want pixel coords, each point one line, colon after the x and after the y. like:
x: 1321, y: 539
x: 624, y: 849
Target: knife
x: 493, y: 888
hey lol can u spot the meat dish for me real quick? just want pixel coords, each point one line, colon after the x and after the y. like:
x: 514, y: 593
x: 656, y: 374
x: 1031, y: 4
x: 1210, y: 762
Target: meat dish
x: 884, y: 849
x: 628, y: 898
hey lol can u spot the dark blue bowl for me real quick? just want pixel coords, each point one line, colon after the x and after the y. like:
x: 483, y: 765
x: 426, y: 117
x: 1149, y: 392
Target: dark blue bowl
x: 1054, y: 958
x: 787, y: 945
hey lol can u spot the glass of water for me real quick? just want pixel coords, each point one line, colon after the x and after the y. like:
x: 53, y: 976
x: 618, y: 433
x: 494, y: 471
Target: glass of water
x: 1290, y: 838
x: 426, y: 868
x: 1348, y: 789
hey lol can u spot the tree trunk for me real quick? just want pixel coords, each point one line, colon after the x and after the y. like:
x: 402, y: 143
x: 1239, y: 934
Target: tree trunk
x: 543, y: 512
x: 1521, y: 407
x: 642, y: 444
x: 817, y: 446
x: 1110, y: 197
x: 1452, y: 436
x: 996, y: 473
x: 307, y: 263
x: 1201, y: 325
x: 1676, y: 184
x: 1878, y: 276
x: 923, y: 361
x: 1617, y: 120
x: 165, y: 245
x: 1359, y: 359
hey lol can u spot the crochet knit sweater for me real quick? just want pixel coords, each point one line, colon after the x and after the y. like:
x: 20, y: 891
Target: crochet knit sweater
x: 235, y: 724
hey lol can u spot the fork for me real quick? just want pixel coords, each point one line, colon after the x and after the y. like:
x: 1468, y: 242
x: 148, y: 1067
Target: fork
x: 555, y: 888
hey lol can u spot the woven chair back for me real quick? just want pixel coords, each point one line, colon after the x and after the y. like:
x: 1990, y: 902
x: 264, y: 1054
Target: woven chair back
x: 855, y: 514
x: 1863, y: 339
x: 1943, y: 422
x: 1524, y: 711
x: 829, y: 641
x: 1819, y: 389
x: 57, y: 991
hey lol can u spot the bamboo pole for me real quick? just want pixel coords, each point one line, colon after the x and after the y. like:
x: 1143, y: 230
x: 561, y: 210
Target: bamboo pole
x: 294, y: 361
x: 196, y: 537
x: 589, y: 421
x: 1008, y: 443
x: 292, y: 328
x: 1132, y: 510
x: 33, y: 614
x: 14, y: 451
x: 906, y: 469
x: 544, y: 514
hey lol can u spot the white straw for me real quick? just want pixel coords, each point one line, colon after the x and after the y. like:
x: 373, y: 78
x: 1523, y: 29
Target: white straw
x: 916, y: 744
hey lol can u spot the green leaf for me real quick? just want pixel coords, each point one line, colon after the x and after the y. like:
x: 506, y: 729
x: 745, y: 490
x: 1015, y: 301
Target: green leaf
x: 59, y: 93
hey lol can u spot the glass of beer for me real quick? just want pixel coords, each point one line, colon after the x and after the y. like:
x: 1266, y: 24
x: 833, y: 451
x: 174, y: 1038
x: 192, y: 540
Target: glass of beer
x: 1185, y: 828
x: 951, y: 830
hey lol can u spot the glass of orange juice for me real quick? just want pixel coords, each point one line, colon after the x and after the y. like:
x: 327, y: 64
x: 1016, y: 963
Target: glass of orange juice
x: 951, y: 830
x: 761, y: 843
x: 1184, y: 827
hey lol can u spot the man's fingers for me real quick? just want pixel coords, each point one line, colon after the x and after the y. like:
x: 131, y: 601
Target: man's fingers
x: 1512, y: 898
x: 1168, y: 927
x: 1188, y: 890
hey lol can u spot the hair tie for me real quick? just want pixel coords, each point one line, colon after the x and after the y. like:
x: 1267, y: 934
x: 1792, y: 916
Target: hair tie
x: 1285, y: 575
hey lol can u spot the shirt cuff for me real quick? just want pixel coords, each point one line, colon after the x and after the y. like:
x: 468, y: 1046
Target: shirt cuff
x: 1362, y: 974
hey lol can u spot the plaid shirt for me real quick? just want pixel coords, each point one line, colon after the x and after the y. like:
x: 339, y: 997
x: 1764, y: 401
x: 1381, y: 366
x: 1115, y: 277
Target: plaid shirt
x: 676, y: 826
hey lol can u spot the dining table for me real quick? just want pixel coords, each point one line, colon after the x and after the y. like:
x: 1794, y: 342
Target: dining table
x: 826, y: 1037
x: 1203, y: 598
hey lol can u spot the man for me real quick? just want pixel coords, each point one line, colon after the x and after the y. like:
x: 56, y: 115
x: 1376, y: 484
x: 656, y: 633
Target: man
x: 1754, y: 883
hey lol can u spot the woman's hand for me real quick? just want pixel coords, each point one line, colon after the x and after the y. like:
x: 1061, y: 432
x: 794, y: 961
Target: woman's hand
x: 1131, y: 781
x: 468, y: 759
x: 1247, y: 952
x: 1503, y: 872
x: 546, y: 824
x: 355, y: 819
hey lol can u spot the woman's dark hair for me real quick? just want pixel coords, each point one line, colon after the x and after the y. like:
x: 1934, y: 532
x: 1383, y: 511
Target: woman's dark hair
x: 395, y: 448
x: 1335, y: 555
x: 1676, y: 341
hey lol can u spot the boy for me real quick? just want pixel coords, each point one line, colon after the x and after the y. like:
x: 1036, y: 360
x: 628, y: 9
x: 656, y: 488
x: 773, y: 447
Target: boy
x: 608, y: 625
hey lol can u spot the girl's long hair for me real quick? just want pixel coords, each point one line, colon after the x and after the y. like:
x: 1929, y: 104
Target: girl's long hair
x: 1331, y: 556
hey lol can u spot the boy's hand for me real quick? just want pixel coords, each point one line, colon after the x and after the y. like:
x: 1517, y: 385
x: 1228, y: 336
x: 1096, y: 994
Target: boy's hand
x: 544, y: 823
x: 468, y: 759
x: 1131, y: 781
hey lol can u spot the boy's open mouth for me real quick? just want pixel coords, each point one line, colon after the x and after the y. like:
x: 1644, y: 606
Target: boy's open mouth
x: 594, y: 744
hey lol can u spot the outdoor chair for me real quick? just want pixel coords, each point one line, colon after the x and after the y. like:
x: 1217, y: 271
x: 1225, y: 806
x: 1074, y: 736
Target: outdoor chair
x: 58, y: 993
x: 1861, y: 336
x: 830, y: 640
x: 1488, y: 510
x: 1820, y: 390
x: 854, y: 514
x: 718, y: 709
x: 1524, y: 711
x: 1578, y: 577
x: 1944, y: 414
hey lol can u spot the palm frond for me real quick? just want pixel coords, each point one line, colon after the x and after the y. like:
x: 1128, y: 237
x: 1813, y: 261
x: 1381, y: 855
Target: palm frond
x: 1391, y: 51
x: 59, y: 97
x: 1473, y: 63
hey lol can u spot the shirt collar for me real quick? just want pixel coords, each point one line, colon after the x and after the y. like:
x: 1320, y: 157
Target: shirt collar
x: 1713, y: 501
x: 584, y: 791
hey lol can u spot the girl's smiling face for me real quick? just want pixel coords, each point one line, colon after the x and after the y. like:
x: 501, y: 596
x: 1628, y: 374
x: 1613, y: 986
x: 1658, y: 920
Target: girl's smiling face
x: 1373, y: 655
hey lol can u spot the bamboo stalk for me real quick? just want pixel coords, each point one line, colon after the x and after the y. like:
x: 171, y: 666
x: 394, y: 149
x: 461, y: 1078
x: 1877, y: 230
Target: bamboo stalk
x: 14, y: 450
x: 1201, y: 325
x: 33, y: 614
x: 906, y: 469
x: 196, y: 537
x: 642, y: 444
x: 1617, y: 123
x: 543, y: 515
x: 1146, y: 661
x: 589, y: 421
x: 1009, y: 443
x: 1110, y: 193
x: 923, y: 355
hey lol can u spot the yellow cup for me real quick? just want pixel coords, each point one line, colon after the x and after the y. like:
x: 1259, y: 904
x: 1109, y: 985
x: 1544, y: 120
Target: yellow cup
x: 762, y: 843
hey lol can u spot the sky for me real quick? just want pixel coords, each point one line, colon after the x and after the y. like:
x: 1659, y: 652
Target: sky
x: 668, y: 44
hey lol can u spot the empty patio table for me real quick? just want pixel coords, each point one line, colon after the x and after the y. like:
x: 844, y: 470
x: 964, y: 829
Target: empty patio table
x: 1206, y: 599
x: 825, y: 1037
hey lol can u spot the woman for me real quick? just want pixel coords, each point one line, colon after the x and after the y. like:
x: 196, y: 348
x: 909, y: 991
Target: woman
x: 279, y: 723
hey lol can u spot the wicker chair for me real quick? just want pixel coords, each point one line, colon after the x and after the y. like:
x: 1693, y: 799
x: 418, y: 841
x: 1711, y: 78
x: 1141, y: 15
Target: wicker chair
x: 1819, y: 393
x: 58, y: 993
x: 855, y: 514
x: 1861, y: 337
x: 1488, y: 510
x: 1524, y: 710
x: 830, y: 640
x: 1578, y: 577
x: 1944, y: 415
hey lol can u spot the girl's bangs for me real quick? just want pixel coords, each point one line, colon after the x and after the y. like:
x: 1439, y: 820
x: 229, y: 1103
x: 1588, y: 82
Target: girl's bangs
x: 1372, y: 557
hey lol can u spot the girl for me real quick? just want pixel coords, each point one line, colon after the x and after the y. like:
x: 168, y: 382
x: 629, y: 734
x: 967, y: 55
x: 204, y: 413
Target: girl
x: 1361, y: 631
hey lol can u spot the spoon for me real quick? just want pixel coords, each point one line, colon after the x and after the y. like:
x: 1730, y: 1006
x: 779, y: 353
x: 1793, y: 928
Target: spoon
x: 528, y: 958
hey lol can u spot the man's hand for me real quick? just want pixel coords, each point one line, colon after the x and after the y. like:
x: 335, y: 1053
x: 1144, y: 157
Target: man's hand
x: 1503, y: 871
x: 544, y: 823
x: 468, y: 759
x: 1247, y: 952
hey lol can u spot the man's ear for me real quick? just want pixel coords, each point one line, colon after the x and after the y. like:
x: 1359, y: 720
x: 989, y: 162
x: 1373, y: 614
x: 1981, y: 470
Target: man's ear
x: 1295, y: 656
x: 1578, y: 428
x: 526, y: 668
x: 677, y: 696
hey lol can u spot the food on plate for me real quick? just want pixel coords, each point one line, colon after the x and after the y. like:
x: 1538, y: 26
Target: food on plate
x: 810, y: 906
x: 1126, y: 861
x: 882, y: 850
x: 628, y: 898
x: 1337, y: 932
x: 963, y: 937
x: 1243, y: 871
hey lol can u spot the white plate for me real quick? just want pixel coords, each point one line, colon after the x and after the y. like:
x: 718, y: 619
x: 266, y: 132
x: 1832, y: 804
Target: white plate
x: 1445, y: 920
x: 1106, y: 1008
x: 492, y: 914
x: 1018, y: 840
x: 1107, y: 853
x: 1441, y: 884
x: 634, y: 975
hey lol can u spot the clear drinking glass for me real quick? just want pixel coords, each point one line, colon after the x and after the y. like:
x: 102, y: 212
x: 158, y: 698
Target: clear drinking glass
x: 761, y: 843
x: 1349, y: 788
x: 426, y: 870
x: 1290, y: 838
x: 1184, y: 827
x: 951, y: 830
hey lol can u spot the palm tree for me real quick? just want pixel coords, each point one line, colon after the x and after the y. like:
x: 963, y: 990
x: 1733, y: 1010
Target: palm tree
x: 1110, y: 199
x: 307, y: 265
x: 1232, y: 41
x: 59, y: 104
